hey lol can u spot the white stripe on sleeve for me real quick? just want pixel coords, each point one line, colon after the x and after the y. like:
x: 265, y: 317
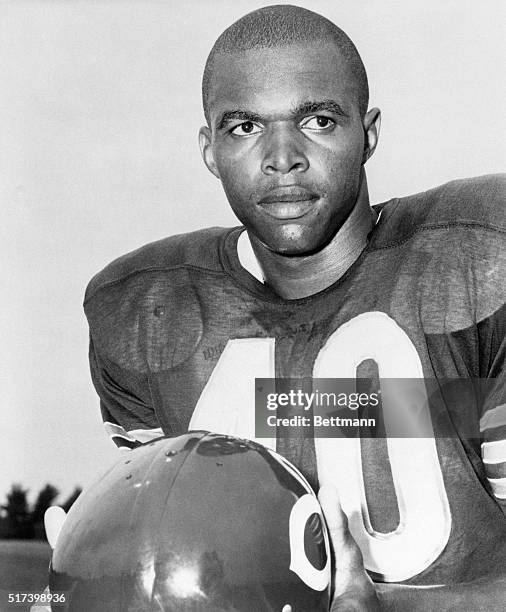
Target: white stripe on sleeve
x: 494, y: 452
x: 495, y: 417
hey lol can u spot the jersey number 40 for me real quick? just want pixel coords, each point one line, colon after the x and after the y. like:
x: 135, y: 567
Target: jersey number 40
x: 424, y: 513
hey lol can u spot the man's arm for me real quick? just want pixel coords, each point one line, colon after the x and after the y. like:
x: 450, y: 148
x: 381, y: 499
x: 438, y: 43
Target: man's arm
x: 354, y: 591
x: 128, y: 417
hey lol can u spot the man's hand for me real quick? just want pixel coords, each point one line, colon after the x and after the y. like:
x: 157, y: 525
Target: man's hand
x: 353, y: 590
x: 54, y: 518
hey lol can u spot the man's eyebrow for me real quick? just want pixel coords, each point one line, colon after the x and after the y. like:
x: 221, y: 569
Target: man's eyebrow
x: 244, y: 115
x: 308, y: 108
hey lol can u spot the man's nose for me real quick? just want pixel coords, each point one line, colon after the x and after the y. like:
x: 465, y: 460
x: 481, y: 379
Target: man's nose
x: 284, y: 152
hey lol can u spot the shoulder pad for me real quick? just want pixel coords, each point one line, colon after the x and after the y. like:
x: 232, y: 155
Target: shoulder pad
x: 468, y: 202
x: 194, y: 249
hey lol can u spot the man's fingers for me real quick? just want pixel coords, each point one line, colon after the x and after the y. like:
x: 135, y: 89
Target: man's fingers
x: 329, y: 501
x: 335, y: 518
x: 347, y: 555
x: 353, y: 589
x: 53, y: 522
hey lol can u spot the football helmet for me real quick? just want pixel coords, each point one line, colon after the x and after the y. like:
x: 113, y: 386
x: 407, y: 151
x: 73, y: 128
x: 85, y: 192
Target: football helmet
x: 201, y: 522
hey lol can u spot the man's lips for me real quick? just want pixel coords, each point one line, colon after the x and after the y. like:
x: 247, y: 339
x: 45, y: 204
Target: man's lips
x: 288, y: 194
x: 288, y: 202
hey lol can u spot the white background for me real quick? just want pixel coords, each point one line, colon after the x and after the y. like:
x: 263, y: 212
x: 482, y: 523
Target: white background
x: 99, y: 114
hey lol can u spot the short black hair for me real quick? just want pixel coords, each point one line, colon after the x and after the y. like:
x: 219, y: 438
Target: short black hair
x: 282, y: 25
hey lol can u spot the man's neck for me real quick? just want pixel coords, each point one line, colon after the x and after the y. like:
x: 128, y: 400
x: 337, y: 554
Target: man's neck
x: 298, y: 277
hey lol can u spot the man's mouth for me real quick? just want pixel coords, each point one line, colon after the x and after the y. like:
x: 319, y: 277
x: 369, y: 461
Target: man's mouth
x: 288, y: 202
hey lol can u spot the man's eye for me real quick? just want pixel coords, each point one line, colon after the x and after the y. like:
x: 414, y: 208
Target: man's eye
x: 245, y: 129
x: 318, y: 123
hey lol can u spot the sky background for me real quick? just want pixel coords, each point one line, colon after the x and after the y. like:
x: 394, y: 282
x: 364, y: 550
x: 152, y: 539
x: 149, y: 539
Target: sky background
x: 99, y: 115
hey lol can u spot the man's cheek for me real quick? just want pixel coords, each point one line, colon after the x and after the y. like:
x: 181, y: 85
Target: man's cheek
x: 239, y: 198
x: 236, y: 156
x: 239, y: 185
x: 232, y: 189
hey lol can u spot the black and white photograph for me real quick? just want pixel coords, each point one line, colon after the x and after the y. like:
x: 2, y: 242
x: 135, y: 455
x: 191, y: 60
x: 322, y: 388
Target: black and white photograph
x: 253, y: 327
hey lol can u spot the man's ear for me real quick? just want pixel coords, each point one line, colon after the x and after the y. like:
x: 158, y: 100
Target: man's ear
x: 372, y: 124
x: 206, y: 150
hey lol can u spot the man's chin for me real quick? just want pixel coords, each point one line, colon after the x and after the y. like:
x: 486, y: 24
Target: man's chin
x: 295, y: 244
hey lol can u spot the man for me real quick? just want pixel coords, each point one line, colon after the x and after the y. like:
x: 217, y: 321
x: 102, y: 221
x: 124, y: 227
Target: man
x: 320, y: 284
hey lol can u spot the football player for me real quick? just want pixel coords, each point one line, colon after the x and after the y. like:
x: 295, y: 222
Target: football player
x: 317, y: 283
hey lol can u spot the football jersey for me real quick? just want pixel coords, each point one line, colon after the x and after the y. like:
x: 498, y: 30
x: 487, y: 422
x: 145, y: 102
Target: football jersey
x: 179, y: 330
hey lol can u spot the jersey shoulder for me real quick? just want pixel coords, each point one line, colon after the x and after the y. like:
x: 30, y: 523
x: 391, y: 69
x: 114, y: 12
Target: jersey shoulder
x: 137, y: 305
x: 473, y: 202
x: 198, y: 249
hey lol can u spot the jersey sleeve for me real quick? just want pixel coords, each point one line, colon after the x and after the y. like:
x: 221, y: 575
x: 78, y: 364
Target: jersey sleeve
x: 493, y: 417
x: 488, y: 264
x: 125, y: 402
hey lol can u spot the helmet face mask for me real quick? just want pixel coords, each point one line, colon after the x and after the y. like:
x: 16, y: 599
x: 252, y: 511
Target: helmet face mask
x: 199, y: 522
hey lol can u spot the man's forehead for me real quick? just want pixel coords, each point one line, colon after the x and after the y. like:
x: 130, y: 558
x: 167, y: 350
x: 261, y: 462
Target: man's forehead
x: 280, y: 77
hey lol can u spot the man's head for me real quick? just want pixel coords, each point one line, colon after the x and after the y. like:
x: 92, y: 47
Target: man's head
x: 280, y: 26
x: 285, y: 97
